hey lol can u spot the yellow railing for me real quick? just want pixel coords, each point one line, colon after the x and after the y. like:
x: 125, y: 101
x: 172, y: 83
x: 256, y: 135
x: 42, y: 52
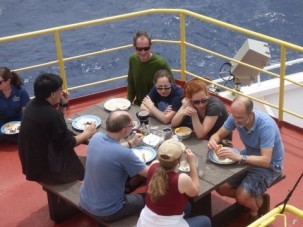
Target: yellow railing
x: 183, y: 14
x: 271, y: 216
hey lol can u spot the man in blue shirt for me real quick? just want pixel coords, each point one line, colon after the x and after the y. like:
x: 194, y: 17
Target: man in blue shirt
x: 108, y: 165
x: 264, y: 151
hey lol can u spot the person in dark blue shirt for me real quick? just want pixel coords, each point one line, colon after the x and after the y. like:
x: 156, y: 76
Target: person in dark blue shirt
x: 13, y: 99
x: 164, y: 99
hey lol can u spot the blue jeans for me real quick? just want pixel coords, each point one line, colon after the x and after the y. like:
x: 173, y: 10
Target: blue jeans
x: 132, y: 204
x: 197, y: 221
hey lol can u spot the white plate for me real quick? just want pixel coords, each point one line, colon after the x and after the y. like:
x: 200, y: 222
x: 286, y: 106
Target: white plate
x: 11, y: 128
x: 117, y: 104
x: 214, y: 158
x: 184, y: 167
x: 145, y: 152
x: 81, y: 122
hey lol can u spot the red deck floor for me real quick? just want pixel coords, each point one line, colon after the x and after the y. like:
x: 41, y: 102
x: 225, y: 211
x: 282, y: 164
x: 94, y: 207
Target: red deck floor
x: 24, y: 203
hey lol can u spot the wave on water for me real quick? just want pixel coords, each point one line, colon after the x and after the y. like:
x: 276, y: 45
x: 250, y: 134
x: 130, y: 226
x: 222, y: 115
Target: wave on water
x: 271, y: 17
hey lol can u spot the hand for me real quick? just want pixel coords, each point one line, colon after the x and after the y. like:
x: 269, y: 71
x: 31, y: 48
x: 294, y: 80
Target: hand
x: 137, y: 139
x: 168, y: 109
x: 189, y: 111
x: 212, y: 144
x: 190, y: 157
x: 226, y: 152
x: 148, y: 102
x: 91, y: 129
x: 64, y: 97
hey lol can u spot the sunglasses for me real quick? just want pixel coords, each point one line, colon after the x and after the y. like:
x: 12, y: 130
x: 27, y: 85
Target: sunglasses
x: 2, y: 81
x: 163, y: 88
x: 142, y: 48
x: 197, y: 102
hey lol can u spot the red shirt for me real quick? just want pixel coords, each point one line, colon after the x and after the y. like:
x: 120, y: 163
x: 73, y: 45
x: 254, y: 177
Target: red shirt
x: 173, y: 202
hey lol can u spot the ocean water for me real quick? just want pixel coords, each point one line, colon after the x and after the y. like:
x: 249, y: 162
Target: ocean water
x: 281, y: 19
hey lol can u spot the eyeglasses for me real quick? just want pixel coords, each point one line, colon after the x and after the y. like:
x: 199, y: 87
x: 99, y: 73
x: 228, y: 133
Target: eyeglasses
x: 2, y: 81
x: 143, y: 48
x: 197, y: 102
x: 163, y: 88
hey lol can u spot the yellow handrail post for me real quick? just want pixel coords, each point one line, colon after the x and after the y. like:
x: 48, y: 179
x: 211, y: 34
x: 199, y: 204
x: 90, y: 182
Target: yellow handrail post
x: 282, y: 82
x: 182, y: 46
x: 60, y: 58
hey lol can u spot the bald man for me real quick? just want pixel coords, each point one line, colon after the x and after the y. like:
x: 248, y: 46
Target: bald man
x: 108, y: 166
x: 263, y: 151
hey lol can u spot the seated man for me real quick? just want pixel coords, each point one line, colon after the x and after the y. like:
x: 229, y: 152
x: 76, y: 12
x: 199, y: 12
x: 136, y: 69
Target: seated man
x: 263, y: 151
x: 142, y: 67
x: 108, y: 165
x: 46, y: 146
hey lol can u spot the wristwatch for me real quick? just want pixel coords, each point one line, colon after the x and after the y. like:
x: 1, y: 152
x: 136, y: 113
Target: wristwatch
x: 243, y: 159
x: 63, y: 105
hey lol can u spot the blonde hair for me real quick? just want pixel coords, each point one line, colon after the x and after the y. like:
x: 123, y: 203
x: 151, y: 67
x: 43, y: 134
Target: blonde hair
x: 158, y: 185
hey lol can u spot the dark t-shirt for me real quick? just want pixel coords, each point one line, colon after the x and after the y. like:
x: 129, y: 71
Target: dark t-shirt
x: 174, y: 98
x: 214, y: 107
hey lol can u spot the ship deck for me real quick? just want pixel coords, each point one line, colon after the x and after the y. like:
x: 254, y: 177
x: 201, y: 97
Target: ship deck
x: 24, y: 203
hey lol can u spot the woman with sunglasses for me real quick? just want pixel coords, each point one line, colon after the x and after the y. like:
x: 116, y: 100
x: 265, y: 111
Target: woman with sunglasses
x: 203, y: 113
x: 164, y: 99
x: 13, y: 99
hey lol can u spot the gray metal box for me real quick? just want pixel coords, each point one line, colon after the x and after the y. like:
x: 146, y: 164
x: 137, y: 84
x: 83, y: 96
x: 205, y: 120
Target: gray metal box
x: 252, y: 52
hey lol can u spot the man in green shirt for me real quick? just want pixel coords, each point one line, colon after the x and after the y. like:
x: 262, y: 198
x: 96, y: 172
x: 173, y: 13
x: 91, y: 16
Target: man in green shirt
x: 143, y: 64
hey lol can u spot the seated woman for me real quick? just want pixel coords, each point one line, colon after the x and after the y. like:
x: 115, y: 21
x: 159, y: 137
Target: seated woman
x: 164, y: 99
x: 13, y: 99
x: 166, y: 186
x: 203, y: 113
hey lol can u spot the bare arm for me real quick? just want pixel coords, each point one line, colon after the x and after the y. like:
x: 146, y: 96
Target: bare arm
x: 189, y: 184
x: 165, y: 116
x: 217, y: 137
x: 202, y: 129
x: 86, y: 134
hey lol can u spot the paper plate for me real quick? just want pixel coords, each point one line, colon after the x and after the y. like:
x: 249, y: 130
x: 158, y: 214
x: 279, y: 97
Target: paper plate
x: 214, y: 158
x: 81, y: 122
x: 117, y: 104
x: 184, y: 167
x: 11, y: 128
x: 145, y: 152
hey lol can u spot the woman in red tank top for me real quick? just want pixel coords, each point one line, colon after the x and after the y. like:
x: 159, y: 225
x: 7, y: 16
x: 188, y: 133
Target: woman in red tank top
x: 168, y: 190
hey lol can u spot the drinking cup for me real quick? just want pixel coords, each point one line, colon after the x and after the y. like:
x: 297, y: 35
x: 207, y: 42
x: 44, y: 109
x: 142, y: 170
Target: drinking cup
x: 201, y: 165
x: 167, y: 133
x: 143, y: 117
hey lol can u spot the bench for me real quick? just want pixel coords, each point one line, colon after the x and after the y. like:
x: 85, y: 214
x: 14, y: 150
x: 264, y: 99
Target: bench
x: 236, y: 209
x: 63, y: 202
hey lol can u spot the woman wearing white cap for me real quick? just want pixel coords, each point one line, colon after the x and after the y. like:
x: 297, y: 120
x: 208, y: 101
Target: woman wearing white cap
x: 168, y: 190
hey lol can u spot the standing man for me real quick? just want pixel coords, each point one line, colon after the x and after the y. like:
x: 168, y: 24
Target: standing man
x: 263, y: 151
x: 143, y: 64
x: 46, y: 146
x: 108, y: 165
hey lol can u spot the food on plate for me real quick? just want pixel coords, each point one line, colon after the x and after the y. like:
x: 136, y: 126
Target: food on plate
x: 219, y: 147
x: 12, y: 128
x: 183, y: 131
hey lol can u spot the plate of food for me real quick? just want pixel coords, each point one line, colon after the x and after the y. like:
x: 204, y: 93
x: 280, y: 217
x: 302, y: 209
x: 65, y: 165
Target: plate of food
x: 183, y: 132
x: 82, y: 122
x: 117, y: 104
x: 11, y: 128
x: 184, y: 167
x: 214, y: 158
x: 145, y: 153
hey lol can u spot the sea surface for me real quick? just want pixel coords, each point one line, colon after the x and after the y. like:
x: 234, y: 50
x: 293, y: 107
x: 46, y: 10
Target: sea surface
x: 281, y: 19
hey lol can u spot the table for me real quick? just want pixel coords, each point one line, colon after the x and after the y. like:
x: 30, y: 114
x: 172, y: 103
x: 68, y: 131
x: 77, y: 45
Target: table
x: 215, y: 174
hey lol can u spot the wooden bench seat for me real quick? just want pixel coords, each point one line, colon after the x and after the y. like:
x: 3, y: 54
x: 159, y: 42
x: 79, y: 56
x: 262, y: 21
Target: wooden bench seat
x: 63, y: 202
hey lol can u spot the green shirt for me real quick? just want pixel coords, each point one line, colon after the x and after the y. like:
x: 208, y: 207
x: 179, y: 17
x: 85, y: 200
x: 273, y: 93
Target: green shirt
x: 141, y: 76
